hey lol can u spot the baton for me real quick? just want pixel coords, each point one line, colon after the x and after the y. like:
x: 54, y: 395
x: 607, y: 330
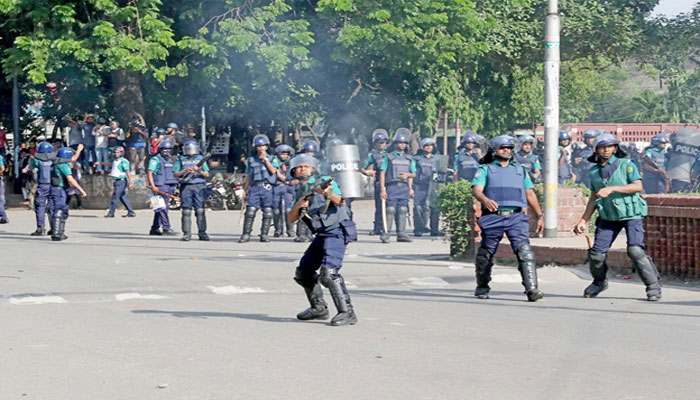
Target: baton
x: 384, y: 215
x: 283, y: 216
x: 243, y: 207
x: 172, y: 196
x: 588, y: 240
x: 408, y: 213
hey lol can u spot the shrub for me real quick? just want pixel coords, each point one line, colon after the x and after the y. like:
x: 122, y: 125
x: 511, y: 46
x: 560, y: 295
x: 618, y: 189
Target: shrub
x: 455, y: 202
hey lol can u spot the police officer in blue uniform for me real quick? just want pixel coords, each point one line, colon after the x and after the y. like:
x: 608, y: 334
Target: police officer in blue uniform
x: 283, y: 192
x: 323, y: 210
x: 121, y: 175
x: 262, y: 175
x: 504, y: 189
x: 654, y: 165
x: 61, y: 179
x: 42, y: 163
x: 162, y: 182
x: 566, y: 172
x: 580, y: 156
x: 374, y: 161
x: 527, y: 158
x: 310, y: 148
x: 193, y: 179
x: 616, y: 186
x: 396, y: 185
x: 3, y: 214
x: 426, y: 216
x: 467, y: 159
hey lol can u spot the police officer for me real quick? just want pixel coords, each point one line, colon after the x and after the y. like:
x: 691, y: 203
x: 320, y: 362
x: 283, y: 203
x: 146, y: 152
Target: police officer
x: 3, y: 214
x: 581, y: 165
x: 504, y: 190
x: 262, y: 175
x: 323, y: 210
x: 162, y: 183
x: 616, y: 185
x: 42, y: 163
x: 61, y: 179
x: 423, y: 211
x: 122, y: 179
x: 193, y: 179
x: 396, y: 185
x: 528, y: 159
x: 467, y: 159
x: 375, y: 158
x: 566, y: 172
x: 654, y: 166
x: 283, y: 192
x: 303, y: 232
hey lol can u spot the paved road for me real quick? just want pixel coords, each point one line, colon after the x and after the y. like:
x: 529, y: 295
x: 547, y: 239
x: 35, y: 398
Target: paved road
x: 113, y: 314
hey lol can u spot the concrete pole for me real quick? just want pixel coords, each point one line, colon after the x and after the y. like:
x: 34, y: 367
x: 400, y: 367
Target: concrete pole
x: 17, y: 135
x: 204, y: 130
x: 444, y: 137
x: 458, y: 135
x: 551, y: 118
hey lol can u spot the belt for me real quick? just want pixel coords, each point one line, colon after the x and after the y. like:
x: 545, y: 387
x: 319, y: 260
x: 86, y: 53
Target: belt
x: 264, y: 185
x: 397, y: 184
x: 501, y: 212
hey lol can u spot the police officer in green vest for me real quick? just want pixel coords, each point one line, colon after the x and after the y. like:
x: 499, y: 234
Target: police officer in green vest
x: 615, y: 185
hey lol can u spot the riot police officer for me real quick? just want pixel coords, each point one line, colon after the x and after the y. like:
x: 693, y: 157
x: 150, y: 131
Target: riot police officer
x: 566, y: 172
x: 122, y: 180
x: 616, y: 184
x: 528, y: 159
x: 283, y: 192
x: 505, y: 189
x: 61, y: 179
x: 374, y: 161
x: 426, y: 216
x: 580, y: 156
x: 193, y: 179
x: 3, y: 214
x: 322, y: 209
x: 467, y: 159
x: 396, y: 185
x: 42, y: 163
x: 309, y: 148
x: 162, y: 182
x: 654, y: 166
x: 262, y: 174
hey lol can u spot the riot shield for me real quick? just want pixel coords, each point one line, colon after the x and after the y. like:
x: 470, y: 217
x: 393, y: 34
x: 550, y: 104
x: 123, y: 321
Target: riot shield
x: 685, y: 148
x: 344, y: 167
x: 440, y: 165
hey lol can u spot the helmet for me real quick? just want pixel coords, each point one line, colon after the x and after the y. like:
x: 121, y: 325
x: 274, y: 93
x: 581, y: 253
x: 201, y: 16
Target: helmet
x: 283, y: 148
x: 160, y: 131
x: 172, y: 125
x: 589, y: 133
x: 45, y: 147
x: 468, y: 139
x: 261, y: 140
x: 102, y: 120
x: 310, y: 147
x: 501, y: 141
x: 564, y: 135
x: 402, y: 135
x: 64, y: 152
x: 427, y: 142
x: 605, y: 139
x: 303, y: 159
x: 380, y: 134
x: 118, y: 149
x: 334, y: 142
x: 527, y: 139
x: 190, y: 148
x: 659, y: 139
x: 165, y: 144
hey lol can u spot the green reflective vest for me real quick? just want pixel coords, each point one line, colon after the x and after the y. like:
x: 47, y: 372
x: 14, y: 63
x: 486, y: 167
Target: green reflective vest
x: 617, y: 206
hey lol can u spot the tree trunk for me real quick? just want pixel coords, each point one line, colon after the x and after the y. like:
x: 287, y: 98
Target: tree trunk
x: 128, y: 97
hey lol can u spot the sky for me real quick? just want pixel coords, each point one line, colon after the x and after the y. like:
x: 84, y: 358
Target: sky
x: 671, y: 8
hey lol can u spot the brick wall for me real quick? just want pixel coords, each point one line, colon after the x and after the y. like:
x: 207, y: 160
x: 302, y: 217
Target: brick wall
x: 672, y: 234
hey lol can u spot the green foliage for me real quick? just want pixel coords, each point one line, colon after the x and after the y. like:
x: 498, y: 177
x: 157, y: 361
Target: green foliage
x: 455, y: 200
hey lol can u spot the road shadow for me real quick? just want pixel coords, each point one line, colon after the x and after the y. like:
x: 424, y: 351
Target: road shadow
x: 211, y: 314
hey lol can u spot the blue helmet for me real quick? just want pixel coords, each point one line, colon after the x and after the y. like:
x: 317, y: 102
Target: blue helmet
x: 303, y: 159
x: 334, y: 142
x: 64, y: 152
x: 468, y: 139
x: 380, y: 135
x: 605, y: 139
x: 190, y: 148
x: 172, y: 125
x: 261, y: 140
x: 165, y: 144
x: 527, y: 139
x: 659, y: 139
x: 310, y: 147
x: 45, y: 147
x: 283, y: 148
x: 564, y: 135
x: 502, y: 141
x: 117, y: 149
x: 160, y: 131
x: 402, y: 135
x: 589, y: 133
x: 427, y: 142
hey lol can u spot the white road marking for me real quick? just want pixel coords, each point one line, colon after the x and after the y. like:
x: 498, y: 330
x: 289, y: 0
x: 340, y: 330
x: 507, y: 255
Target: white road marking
x: 37, y: 300
x: 130, y: 296
x: 229, y: 290
x: 428, y: 281
x: 455, y: 267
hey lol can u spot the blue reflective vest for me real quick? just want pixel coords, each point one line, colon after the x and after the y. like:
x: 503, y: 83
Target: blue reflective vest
x: 164, y: 176
x: 398, y: 164
x: 424, y: 169
x: 528, y: 162
x: 187, y: 162
x: 44, y: 173
x: 506, y: 185
x: 321, y: 219
x: 259, y: 172
x: 467, y: 165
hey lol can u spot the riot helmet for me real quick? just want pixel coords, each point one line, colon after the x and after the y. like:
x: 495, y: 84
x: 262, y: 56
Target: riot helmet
x: 190, y: 148
x: 261, y: 140
x: 45, y: 147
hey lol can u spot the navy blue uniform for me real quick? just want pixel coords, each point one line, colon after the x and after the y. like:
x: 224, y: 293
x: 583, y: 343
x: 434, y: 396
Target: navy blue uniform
x: 424, y: 212
x: 376, y: 159
x: 43, y: 163
x: 164, y: 180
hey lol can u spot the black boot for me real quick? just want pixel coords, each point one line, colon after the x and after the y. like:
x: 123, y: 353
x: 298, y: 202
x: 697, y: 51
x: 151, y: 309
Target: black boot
x: 40, y: 231
x: 318, y: 309
x: 483, y: 265
x: 599, y: 271
x: 201, y: 224
x: 277, y: 218
x: 248, y: 224
x: 435, y: 222
x: 331, y: 279
x: 390, y: 216
x: 303, y: 232
x: 528, y: 271
x: 647, y: 271
x: 418, y: 220
x: 58, y: 226
x: 186, y: 225
x: 266, y: 223
x: 289, y: 225
x: 401, y: 219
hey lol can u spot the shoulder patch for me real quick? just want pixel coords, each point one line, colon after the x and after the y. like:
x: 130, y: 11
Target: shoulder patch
x: 477, y: 174
x: 630, y: 169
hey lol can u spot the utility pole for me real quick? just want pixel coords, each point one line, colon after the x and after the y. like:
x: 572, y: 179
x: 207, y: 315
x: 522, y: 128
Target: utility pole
x: 204, y: 130
x: 17, y: 135
x: 551, y: 117
x: 445, y: 148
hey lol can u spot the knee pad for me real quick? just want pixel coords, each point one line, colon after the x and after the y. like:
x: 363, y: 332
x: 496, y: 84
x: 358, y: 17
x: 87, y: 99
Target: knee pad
x: 267, y: 212
x: 636, y: 253
x: 304, y: 279
x: 199, y: 212
x: 276, y: 211
x: 250, y: 211
x: 328, y: 275
x: 525, y: 252
x: 186, y: 211
x: 403, y: 210
x: 597, y: 258
x: 390, y: 210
